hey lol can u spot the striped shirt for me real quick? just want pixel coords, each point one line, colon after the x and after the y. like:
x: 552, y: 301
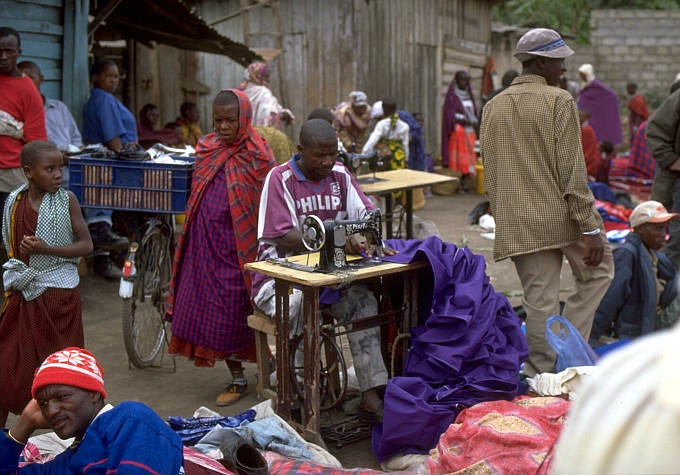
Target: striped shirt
x: 534, y: 169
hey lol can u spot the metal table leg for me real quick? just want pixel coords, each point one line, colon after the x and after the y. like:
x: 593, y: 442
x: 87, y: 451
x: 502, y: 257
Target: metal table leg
x: 409, y: 213
x: 310, y: 309
x: 388, y: 216
x: 283, y: 388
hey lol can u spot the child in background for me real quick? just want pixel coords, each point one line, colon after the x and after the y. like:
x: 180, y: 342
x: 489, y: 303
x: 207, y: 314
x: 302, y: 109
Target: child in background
x: 45, y: 235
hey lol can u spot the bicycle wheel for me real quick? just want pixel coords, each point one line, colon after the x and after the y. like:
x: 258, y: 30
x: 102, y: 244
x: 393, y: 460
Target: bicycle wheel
x: 143, y: 324
x: 333, y: 369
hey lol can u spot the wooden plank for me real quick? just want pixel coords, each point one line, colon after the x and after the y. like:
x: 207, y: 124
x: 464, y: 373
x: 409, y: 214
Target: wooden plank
x: 47, y: 3
x: 41, y: 49
x: 318, y: 279
x: 37, y: 26
x: 262, y: 323
x: 399, y: 180
x: 12, y: 10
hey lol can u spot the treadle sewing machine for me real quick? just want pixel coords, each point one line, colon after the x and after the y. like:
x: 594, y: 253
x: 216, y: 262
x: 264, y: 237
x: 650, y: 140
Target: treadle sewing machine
x: 330, y: 238
x: 354, y: 161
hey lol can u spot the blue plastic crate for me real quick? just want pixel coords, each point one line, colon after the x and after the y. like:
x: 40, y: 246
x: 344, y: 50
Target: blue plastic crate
x: 131, y: 185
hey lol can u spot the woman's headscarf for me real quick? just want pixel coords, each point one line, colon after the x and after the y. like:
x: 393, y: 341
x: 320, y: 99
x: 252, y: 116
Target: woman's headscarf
x: 258, y: 73
x: 246, y: 162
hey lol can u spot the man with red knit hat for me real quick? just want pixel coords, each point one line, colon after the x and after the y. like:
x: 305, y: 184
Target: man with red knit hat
x: 68, y: 397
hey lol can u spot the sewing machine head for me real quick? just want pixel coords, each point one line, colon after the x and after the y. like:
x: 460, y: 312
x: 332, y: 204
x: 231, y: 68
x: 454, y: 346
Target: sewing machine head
x: 354, y: 161
x: 330, y: 239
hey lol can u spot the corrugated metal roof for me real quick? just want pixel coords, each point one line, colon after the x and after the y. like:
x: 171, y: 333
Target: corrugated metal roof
x: 171, y: 22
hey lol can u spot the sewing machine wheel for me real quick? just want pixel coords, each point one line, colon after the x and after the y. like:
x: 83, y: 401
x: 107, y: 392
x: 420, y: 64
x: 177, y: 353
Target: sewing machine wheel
x: 313, y: 233
x: 333, y: 369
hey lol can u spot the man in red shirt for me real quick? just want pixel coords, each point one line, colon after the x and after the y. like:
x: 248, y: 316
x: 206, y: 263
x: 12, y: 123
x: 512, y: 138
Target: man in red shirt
x: 22, y: 116
x: 589, y: 143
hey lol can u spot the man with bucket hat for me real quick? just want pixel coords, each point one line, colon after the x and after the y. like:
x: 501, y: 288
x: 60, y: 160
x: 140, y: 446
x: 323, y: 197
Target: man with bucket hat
x: 68, y: 397
x: 535, y: 178
x: 643, y: 296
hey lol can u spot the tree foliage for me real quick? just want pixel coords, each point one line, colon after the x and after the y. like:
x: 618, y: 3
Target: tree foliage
x: 569, y: 17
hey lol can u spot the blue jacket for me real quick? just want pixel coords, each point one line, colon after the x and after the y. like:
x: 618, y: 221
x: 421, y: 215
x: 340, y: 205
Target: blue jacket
x: 129, y: 439
x: 630, y: 302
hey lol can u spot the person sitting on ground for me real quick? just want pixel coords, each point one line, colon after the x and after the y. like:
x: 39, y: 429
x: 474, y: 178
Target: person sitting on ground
x: 147, y: 132
x: 190, y: 131
x: 589, y: 143
x: 639, y: 112
x: 641, y: 163
x: 351, y: 120
x: 69, y: 398
x: 45, y: 236
x: 642, y: 298
x: 313, y: 183
x: 390, y: 136
x: 608, y: 158
x: 208, y: 302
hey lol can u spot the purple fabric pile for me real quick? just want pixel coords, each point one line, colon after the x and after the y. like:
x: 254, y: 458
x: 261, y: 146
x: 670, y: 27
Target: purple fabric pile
x: 468, y: 350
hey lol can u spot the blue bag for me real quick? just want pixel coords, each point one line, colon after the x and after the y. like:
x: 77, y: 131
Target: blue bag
x: 571, y: 348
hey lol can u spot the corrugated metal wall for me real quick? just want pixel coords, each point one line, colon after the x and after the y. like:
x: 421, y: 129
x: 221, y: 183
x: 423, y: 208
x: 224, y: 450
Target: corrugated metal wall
x: 54, y: 36
x: 404, y: 49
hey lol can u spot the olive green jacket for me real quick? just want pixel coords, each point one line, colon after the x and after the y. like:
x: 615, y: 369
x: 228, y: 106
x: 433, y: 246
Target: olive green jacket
x: 663, y: 141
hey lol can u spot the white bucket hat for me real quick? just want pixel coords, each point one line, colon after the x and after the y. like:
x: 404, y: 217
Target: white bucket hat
x: 542, y: 42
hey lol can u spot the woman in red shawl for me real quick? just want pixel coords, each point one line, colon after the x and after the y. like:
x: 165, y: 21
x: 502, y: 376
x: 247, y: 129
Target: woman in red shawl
x: 209, y: 302
x: 459, y: 120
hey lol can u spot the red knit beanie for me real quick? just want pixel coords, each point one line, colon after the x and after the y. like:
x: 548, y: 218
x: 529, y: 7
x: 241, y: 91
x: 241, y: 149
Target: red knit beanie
x: 71, y: 367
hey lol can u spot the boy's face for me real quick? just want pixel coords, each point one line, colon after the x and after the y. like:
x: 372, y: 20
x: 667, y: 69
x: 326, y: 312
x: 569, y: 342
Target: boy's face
x: 653, y: 235
x: 45, y: 172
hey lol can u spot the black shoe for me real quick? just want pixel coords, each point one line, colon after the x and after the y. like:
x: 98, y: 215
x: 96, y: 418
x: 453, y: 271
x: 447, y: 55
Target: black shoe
x: 105, y: 239
x: 241, y: 454
x: 104, y: 267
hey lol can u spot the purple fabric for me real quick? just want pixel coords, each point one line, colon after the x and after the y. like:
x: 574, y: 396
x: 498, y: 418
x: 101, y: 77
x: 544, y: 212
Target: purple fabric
x: 603, y: 105
x: 469, y: 349
x: 212, y: 303
x: 452, y: 106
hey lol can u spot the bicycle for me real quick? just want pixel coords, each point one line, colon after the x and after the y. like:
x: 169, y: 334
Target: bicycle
x: 144, y: 328
x: 150, y: 192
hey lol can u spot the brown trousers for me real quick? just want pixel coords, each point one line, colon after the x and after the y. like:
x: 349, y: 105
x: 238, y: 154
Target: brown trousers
x: 539, y: 273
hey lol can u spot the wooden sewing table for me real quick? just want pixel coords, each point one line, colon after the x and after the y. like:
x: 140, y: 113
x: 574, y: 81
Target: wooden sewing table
x: 388, y: 275
x: 399, y: 180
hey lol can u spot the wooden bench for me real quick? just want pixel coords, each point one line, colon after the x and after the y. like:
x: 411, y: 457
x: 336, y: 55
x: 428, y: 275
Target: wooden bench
x: 263, y: 326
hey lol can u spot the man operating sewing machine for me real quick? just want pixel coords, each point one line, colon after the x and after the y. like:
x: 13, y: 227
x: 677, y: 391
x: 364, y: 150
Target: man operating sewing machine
x: 312, y: 183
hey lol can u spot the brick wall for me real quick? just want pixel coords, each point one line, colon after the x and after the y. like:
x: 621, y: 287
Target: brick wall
x: 642, y: 46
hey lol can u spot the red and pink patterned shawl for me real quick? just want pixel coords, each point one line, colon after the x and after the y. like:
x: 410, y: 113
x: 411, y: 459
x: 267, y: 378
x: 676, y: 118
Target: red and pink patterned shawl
x: 246, y: 162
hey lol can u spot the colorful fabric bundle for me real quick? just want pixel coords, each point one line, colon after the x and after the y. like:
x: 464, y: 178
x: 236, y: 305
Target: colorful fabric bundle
x: 509, y: 437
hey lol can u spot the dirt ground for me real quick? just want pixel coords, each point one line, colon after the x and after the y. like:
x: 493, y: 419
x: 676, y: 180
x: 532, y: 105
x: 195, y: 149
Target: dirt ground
x: 182, y: 391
